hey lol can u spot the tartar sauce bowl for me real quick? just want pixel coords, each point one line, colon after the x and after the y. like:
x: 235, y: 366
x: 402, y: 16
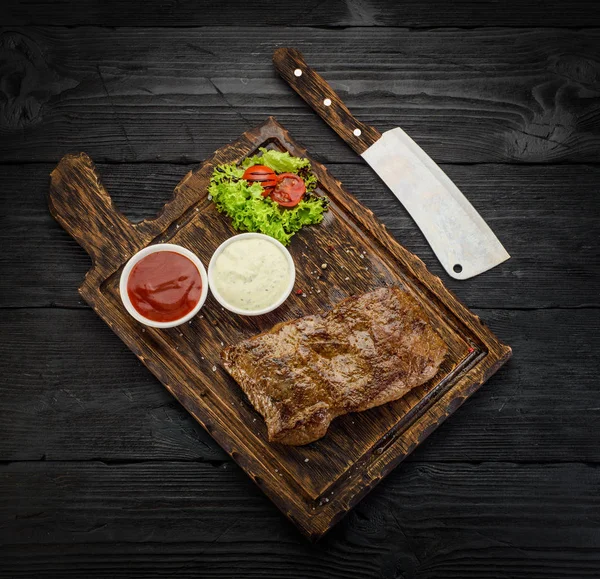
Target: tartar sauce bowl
x: 236, y: 270
x: 135, y: 259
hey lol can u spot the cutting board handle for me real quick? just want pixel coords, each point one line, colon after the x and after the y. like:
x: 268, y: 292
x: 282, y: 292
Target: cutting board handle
x: 313, y: 88
x: 78, y: 201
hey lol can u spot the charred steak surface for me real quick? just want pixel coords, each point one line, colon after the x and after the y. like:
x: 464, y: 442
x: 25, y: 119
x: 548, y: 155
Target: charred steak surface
x: 368, y: 350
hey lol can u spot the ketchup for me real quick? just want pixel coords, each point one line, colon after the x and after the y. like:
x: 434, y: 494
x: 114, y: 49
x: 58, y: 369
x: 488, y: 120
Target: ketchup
x: 164, y: 286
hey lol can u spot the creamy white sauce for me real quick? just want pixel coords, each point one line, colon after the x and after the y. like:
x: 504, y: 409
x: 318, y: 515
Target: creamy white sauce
x: 251, y: 274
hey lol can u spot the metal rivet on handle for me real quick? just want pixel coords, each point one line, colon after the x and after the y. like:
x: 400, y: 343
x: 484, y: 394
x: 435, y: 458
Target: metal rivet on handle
x: 298, y: 72
x: 327, y: 102
x: 357, y: 132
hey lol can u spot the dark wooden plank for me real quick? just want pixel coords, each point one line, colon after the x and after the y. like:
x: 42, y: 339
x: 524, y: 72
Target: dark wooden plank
x: 179, y: 94
x: 72, y: 391
x: 533, y: 410
x: 545, y: 216
x: 189, y: 520
x: 71, y: 409
x: 358, y: 451
x: 411, y: 13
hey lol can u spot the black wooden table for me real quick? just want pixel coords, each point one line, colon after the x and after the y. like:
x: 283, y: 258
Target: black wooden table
x: 103, y: 474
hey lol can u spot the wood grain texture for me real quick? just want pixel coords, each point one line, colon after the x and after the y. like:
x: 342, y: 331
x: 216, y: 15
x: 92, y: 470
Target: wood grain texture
x: 177, y: 94
x: 319, y: 95
x: 336, y: 13
x: 425, y: 521
x: 84, y: 396
x: 359, y: 449
x: 71, y: 391
x: 545, y: 216
x: 79, y: 202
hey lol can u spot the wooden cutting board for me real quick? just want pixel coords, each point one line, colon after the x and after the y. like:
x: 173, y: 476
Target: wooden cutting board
x: 314, y: 485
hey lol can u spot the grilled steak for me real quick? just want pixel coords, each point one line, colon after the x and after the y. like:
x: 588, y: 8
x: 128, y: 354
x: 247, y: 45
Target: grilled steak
x: 368, y: 350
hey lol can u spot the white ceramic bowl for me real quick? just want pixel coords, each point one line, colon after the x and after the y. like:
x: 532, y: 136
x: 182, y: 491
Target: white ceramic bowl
x: 154, y: 249
x: 234, y: 309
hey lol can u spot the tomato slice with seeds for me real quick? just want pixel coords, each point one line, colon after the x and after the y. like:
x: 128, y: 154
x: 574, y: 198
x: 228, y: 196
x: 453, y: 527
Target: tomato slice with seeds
x: 263, y: 175
x: 289, y: 190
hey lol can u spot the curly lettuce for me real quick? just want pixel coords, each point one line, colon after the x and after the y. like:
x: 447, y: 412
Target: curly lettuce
x: 244, y: 203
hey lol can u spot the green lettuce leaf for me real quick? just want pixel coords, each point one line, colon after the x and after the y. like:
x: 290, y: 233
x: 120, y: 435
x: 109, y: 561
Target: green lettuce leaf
x: 250, y: 211
x: 278, y: 161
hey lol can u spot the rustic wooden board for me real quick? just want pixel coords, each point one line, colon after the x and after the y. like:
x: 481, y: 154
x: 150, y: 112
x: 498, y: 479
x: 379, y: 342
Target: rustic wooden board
x: 313, y: 485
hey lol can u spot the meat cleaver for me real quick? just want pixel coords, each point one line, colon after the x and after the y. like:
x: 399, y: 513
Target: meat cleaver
x: 458, y: 235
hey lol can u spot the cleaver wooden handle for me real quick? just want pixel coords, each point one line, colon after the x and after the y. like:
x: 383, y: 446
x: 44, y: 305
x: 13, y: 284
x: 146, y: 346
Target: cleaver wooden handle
x: 311, y: 86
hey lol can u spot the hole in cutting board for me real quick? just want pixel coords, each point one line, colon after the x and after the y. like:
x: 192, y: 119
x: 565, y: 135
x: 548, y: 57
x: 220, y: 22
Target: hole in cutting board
x: 457, y: 268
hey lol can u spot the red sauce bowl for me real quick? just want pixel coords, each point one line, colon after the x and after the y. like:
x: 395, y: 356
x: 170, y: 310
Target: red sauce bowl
x: 163, y: 285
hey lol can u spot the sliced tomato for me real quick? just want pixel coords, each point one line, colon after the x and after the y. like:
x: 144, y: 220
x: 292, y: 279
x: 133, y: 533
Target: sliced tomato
x: 289, y: 190
x: 263, y: 175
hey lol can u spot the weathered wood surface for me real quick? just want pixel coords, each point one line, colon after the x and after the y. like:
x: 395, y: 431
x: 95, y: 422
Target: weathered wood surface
x: 317, y: 484
x: 178, y: 94
x: 467, y: 96
x: 425, y: 521
x: 334, y: 13
x: 545, y: 216
x: 72, y: 391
